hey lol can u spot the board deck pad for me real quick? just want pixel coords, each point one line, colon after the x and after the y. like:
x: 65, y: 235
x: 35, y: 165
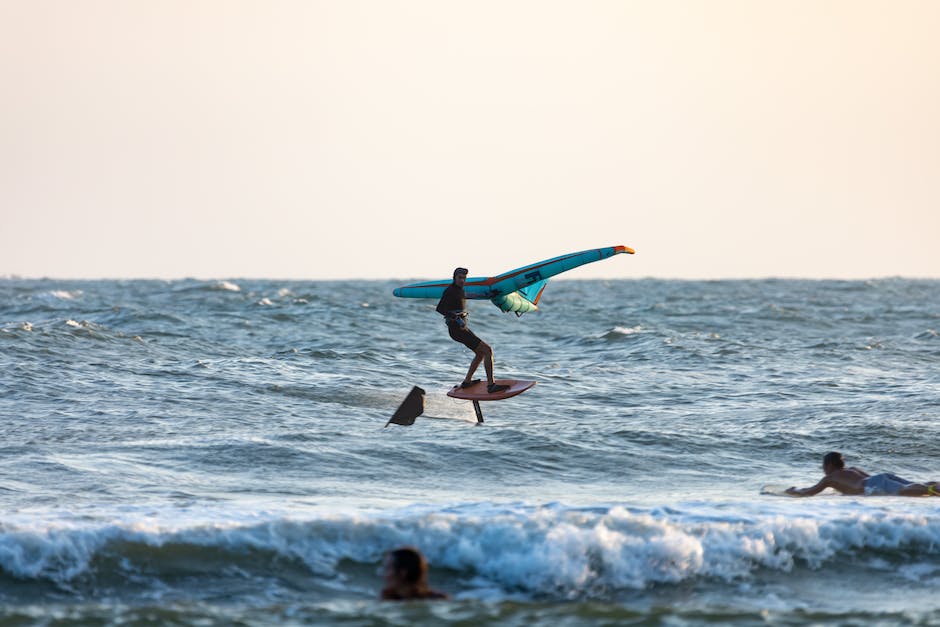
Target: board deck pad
x: 477, y: 391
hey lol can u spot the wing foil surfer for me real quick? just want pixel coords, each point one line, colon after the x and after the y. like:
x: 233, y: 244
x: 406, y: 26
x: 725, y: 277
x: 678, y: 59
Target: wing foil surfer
x: 453, y: 306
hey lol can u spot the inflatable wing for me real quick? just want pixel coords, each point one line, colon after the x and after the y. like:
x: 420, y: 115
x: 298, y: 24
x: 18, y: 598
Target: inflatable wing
x: 518, y: 290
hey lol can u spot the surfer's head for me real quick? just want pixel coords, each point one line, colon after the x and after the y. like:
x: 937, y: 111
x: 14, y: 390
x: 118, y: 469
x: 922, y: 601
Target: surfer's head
x: 406, y: 576
x: 460, y: 276
x: 406, y: 573
x: 407, y: 564
x: 833, y: 461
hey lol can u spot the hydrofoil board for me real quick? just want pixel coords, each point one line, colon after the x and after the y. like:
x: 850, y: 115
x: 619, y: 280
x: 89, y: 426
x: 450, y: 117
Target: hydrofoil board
x: 477, y: 391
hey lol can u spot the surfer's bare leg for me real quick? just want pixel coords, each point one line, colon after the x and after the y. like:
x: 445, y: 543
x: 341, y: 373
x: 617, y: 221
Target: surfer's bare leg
x: 473, y: 368
x: 482, y: 353
x: 488, y: 363
x: 913, y: 489
x: 491, y: 385
x: 920, y: 489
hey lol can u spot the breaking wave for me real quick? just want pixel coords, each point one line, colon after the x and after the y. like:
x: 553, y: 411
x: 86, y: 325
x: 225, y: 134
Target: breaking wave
x: 549, y: 550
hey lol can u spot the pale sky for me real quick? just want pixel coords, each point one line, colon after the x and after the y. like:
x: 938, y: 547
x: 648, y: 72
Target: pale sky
x: 397, y: 139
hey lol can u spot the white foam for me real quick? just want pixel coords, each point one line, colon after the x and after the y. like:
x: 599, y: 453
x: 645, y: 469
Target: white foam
x: 65, y: 294
x: 627, y: 330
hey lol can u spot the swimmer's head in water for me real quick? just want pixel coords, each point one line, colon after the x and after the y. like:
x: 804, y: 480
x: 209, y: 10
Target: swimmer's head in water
x: 408, y: 565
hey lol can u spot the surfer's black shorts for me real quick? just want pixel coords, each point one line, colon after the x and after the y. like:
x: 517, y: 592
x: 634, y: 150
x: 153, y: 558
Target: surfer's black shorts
x: 463, y: 335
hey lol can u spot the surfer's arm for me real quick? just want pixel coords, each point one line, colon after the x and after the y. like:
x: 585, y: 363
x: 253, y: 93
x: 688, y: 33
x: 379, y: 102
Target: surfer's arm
x: 810, y: 491
x: 446, y: 304
x: 446, y: 309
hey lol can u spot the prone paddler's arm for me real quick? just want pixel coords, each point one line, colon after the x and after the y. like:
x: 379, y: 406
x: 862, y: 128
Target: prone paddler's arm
x: 810, y: 491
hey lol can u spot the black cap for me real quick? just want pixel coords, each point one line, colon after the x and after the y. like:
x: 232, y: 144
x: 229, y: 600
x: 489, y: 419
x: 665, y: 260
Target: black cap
x: 460, y: 271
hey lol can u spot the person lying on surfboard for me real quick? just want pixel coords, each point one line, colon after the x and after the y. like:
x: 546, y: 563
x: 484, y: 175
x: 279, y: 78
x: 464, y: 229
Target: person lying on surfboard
x: 453, y: 306
x: 855, y: 481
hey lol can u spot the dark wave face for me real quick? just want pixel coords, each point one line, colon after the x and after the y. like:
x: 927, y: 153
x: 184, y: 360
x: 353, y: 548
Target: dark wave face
x: 215, y: 452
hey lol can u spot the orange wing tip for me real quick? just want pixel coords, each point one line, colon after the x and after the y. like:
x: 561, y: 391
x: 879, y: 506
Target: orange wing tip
x: 624, y: 249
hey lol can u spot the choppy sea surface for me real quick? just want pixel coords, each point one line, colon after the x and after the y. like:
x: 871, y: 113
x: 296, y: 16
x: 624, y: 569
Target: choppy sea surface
x: 215, y: 452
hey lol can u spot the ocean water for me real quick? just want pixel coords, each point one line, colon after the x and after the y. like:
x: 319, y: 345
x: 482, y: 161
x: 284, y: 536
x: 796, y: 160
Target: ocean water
x: 215, y: 452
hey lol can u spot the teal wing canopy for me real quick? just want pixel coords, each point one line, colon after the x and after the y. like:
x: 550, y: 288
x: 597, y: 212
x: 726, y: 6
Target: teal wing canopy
x: 533, y: 292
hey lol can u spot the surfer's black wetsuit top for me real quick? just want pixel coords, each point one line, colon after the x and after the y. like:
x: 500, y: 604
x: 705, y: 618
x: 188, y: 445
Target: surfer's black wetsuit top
x: 453, y: 306
x: 453, y: 303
